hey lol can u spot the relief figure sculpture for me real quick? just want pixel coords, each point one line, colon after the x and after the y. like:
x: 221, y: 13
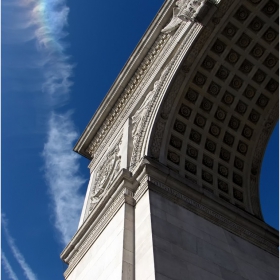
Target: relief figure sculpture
x: 186, y: 10
x: 141, y: 112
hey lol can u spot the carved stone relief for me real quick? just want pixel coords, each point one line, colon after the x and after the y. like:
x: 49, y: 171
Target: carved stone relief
x: 185, y: 10
x: 140, y: 119
x: 168, y: 102
x: 164, y: 115
x: 139, y: 138
x: 125, y: 97
x: 105, y: 175
x: 140, y: 114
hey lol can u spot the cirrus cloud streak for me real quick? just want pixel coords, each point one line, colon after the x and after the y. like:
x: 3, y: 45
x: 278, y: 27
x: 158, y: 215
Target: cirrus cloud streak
x: 62, y: 173
x: 8, y: 268
x: 29, y: 274
x: 41, y: 24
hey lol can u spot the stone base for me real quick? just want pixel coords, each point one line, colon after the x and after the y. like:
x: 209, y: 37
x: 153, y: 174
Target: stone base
x: 152, y: 226
x: 173, y: 243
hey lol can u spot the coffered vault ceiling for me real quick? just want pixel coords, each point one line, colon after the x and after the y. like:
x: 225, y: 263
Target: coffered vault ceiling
x: 228, y: 107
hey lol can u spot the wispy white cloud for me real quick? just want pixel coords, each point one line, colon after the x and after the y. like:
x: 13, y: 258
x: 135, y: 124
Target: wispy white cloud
x: 44, y: 22
x: 61, y: 163
x: 49, y: 19
x: 16, y: 25
x: 8, y: 268
x: 29, y: 274
x: 57, y: 79
x: 62, y: 173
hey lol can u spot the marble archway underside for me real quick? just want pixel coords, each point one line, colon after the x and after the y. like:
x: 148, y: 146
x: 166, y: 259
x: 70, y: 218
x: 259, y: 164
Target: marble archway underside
x: 216, y: 117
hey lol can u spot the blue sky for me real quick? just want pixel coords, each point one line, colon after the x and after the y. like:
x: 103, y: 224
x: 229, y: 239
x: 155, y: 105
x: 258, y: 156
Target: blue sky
x: 59, y: 59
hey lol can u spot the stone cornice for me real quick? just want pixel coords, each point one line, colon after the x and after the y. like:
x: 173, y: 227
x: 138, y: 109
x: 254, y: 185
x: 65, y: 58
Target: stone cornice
x: 140, y: 55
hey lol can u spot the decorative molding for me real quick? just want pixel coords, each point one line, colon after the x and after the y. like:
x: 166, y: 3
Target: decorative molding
x: 172, y: 95
x: 191, y: 35
x: 127, y: 93
x: 169, y: 101
x: 160, y: 125
x: 197, y: 47
x: 169, y: 45
x: 138, y: 138
x: 214, y: 217
x: 139, y: 117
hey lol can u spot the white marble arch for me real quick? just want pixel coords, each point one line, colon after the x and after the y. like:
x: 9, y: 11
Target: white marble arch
x: 184, y: 127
